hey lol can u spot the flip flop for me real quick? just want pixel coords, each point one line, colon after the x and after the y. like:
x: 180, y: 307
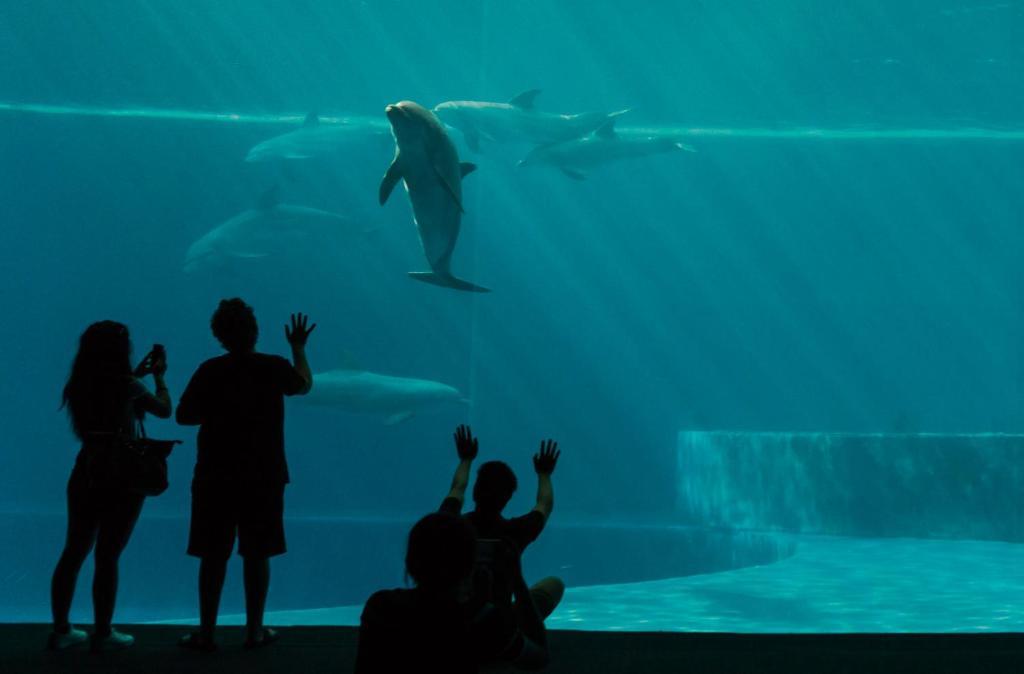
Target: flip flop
x: 194, y: 641
x: 269, y: 636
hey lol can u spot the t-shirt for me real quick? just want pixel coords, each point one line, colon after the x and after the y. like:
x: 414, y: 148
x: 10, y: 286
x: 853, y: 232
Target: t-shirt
x: 520, y: 531
x: 412, y: 631
x: 239, y: 402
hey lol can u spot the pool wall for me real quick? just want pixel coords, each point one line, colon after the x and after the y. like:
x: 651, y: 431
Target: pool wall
x: 915, y: 485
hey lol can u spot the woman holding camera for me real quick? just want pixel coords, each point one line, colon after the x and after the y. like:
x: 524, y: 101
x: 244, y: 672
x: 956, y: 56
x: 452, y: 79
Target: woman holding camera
x: 105, y: 399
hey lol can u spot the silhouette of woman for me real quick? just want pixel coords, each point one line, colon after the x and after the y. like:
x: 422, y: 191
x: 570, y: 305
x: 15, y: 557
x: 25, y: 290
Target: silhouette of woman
x: 104, y: 397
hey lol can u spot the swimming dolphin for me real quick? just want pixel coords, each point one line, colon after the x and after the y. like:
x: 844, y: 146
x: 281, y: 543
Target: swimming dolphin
x: 517, y: 120
x: 426, y: 160
x: 269, y: 229
x: 600, y: 147
x: 395, y: 398
x: 313, y: 139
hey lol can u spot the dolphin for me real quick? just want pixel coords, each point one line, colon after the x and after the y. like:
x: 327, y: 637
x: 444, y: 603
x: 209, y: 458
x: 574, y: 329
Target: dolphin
x: 313, y: 139
x: 517, y: 120
x: 426, y: 161
x: 600, y: 147
x: 269, y: 229
x: 394, y: 398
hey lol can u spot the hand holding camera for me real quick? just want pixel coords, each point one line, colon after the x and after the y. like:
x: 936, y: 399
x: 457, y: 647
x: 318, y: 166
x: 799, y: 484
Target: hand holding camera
x: 155, y: 362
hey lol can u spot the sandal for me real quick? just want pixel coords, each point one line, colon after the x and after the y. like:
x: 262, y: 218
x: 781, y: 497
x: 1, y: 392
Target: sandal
x: 194, y: 641
x: 268, y: 637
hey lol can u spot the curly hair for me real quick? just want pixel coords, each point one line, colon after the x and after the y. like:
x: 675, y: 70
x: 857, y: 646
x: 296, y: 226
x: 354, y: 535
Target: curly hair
x: 234, y: 325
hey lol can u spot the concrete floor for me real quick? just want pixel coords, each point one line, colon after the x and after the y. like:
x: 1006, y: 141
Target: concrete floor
x: 332, y: 649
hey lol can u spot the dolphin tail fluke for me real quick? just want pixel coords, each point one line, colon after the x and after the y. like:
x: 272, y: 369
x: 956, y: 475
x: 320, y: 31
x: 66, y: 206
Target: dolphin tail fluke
x: 447, y: 281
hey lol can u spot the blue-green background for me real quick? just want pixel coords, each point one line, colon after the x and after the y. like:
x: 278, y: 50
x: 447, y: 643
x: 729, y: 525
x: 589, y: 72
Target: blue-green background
x: 784, y: 284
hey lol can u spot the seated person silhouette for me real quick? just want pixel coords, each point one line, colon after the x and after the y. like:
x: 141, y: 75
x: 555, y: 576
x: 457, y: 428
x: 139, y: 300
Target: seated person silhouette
x: 237, y: 400
x: 423, y: 629
x: 428, y: 628
x: 502, y: 541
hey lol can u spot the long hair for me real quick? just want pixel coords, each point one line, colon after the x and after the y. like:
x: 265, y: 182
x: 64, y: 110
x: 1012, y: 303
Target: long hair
x: 94, y: 394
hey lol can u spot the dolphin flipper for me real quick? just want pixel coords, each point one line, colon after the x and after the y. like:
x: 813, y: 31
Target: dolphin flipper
x: 465, y: 168
x: 575, y: 175
x: 447, y: 281
x: 391, y: 178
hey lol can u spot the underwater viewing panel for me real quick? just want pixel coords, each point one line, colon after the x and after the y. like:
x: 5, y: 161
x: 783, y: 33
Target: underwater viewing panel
x: 755, y: 267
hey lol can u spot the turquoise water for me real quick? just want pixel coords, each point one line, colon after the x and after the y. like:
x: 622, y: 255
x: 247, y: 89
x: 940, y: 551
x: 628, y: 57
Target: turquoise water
x: 827, y: 585
x: 839, y: 253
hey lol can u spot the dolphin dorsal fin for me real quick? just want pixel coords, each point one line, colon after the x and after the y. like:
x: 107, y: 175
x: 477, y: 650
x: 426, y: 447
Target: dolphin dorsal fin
x: 312, y: 119
x: 269, y: 199
x: 606, y: 130
x: 525, y: 99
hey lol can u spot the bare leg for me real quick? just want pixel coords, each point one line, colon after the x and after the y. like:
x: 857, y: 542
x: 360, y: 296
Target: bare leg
x: 65, y: 576
x: 257, y: 584
x: 104, y: 593
x: 81, y: 536
x: 116, y: 526
x: 212, y: 572
x: 546, y: 594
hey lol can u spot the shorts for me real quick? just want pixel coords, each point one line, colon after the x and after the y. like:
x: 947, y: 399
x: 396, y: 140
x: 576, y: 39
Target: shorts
x: 106, y: 516
x: 254, y: 511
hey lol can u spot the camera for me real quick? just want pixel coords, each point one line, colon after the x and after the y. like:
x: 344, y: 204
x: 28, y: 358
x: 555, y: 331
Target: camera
x: 156, y: 355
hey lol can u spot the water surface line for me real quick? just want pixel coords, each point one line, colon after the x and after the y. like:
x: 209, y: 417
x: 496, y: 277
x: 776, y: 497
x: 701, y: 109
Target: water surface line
x: 963, y: 133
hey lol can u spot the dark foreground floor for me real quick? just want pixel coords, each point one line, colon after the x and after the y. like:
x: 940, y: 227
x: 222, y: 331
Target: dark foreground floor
x: 332, y: 649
